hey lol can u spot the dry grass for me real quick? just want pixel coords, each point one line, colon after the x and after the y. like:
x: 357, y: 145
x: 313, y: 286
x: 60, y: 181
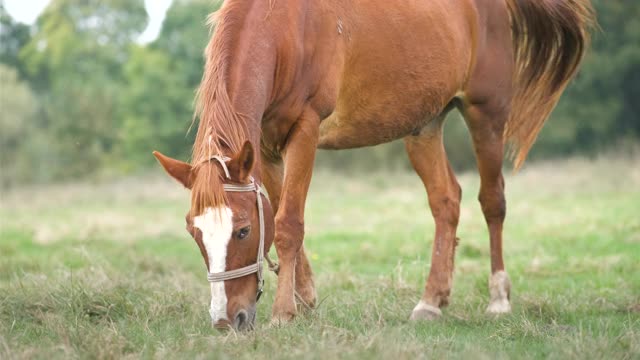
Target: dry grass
x: 106, y: 270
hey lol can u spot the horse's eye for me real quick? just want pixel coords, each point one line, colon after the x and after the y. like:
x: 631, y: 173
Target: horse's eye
x: 244, y: 232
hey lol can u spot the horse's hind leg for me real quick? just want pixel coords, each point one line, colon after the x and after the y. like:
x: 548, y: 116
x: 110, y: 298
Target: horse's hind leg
x: 428, y: 157
x: 486, y: 124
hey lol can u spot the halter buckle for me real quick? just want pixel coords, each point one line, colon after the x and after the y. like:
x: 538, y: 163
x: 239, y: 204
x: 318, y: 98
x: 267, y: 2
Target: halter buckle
x: 260, y: 292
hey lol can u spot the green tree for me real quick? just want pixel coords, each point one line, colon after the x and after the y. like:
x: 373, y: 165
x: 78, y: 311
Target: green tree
x: 13, y: 37
x: 162, y: 78
x: 184, y: 36
x: 156, y: 109
x: 74, y: 61
x: 21, y: 142
x: 601, y: 105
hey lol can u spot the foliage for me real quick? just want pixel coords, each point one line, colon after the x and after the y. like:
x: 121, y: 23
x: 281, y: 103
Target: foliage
x: 150, y: 119
x: 13, y: 37
x: 184, y: 36
x: 161, y: 81
x: 74, y: 62
x: 600, y: 107
x: 103, y: 102
x: 17, y: 121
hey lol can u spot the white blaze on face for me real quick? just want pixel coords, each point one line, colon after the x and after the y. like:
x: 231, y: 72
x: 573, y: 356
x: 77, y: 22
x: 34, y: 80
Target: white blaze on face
x: 216, y: 225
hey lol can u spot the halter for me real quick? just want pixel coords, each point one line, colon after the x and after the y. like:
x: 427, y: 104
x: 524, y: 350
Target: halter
x: 257, y: 266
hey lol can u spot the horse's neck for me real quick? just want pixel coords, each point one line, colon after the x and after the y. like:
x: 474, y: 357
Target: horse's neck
x: 260, y: 40
x: 255, y: 36
x: 263, y: 46
x: 240, y: 66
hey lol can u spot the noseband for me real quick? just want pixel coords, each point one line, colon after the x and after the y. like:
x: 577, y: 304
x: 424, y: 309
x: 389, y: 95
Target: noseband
x: 257, y: 266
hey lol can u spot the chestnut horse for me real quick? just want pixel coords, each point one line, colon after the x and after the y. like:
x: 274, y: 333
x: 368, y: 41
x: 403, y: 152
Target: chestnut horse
x: 285, y: 77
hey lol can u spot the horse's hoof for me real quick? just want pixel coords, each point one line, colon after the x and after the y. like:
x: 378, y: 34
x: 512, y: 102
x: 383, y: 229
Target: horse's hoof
x: 281, y: 319
x: 499, y: 307
x: 425, y: 312
x: 499, y: 289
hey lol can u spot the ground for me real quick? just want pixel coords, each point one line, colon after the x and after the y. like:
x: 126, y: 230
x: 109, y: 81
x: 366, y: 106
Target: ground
x: 106, y: 270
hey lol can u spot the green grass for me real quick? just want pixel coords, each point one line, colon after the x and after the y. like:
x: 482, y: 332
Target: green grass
x: 106, y: 270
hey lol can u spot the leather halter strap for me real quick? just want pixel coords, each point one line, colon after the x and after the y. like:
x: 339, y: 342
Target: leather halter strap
x: 257, y: 267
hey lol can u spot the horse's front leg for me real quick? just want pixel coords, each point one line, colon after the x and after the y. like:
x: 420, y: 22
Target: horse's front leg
x: 299, y: 156
x: 272, y: 176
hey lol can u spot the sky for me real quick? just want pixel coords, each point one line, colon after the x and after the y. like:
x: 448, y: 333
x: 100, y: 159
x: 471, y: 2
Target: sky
x: 27, y: 11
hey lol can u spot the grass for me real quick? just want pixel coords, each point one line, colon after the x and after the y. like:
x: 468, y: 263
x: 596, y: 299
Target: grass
x: 106, y: 270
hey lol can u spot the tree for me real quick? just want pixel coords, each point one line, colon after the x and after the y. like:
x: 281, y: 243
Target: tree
x: 184, y: 36
x: 601, y: 105
x: 21, y: 142
x: 162, y: 78
x: 156, y: 108
x: 74, y: 61
x: 13, y: 37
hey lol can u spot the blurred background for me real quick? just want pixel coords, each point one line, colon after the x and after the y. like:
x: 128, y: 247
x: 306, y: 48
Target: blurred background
x: 89, y: 88
x: 95, y: 261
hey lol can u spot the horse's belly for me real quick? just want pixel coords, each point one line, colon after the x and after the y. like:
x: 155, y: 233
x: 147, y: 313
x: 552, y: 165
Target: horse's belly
x: 394, y: 82
x: 385, y: 108
x: 369, y: 128
x: 336, y: 137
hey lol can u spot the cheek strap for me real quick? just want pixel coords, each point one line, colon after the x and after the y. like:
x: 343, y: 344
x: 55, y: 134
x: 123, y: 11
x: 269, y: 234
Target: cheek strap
x: 257, y: 267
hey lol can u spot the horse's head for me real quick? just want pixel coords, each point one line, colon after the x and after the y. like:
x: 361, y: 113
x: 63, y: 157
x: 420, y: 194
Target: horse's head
x: 231, y: 221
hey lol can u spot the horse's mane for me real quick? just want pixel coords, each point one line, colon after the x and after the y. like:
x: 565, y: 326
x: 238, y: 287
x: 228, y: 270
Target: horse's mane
x: 221, y: 129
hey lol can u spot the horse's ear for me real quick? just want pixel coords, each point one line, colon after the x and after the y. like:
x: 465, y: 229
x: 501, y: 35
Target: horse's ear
x: 177, y: 169
x: 241, y: 165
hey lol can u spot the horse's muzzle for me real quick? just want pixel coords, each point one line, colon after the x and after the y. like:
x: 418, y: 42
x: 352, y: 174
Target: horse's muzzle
x: 244, y: 320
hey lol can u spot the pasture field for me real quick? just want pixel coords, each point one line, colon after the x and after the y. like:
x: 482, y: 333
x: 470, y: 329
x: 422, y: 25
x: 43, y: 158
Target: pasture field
x: 106, y: 270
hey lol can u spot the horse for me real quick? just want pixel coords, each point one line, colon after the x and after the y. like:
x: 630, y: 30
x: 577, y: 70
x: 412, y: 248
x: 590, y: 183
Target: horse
x: 283, y: 78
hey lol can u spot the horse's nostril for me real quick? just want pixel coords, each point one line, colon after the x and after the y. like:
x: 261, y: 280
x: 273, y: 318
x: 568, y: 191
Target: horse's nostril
x: 241, y: 319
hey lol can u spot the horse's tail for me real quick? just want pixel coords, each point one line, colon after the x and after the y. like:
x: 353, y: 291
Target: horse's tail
x: 550, y: 38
